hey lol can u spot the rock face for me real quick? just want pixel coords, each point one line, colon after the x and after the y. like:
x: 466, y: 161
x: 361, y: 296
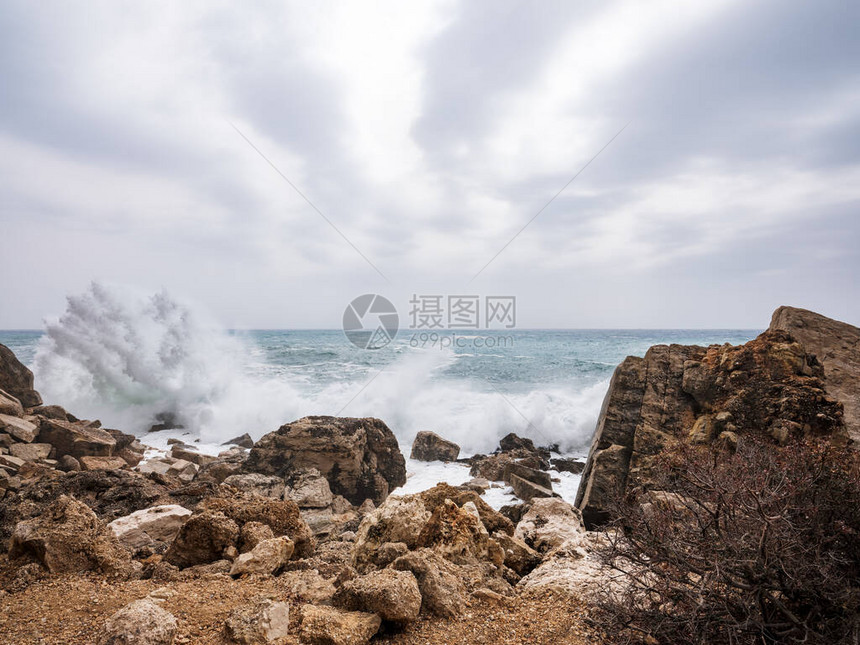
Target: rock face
x: 141, y: 622
x: 360, y: 458
x: 17, y: 379
x: 429, y: 446
x: 69, y: 538
x: 697, y: 394
x: 836, y: 345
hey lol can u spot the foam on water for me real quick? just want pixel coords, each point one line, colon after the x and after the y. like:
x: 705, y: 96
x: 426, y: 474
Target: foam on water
x: 126, y: 358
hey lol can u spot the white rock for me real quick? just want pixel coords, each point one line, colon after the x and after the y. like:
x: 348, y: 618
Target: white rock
x: 550, y: 523
x: 266, y: 622
x: 150, y: 525
x: 265, y: 558
x: 141, y: 622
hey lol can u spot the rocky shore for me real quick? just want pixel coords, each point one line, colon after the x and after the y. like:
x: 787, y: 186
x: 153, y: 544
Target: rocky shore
x: 296, y: 538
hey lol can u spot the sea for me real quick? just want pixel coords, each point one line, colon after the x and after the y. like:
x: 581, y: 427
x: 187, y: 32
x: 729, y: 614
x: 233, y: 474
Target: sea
x: 129, y: 363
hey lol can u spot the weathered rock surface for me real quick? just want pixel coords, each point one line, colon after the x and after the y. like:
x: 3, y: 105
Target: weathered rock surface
x: 770, y: 384
x: 265, y: 485
x: 548, y: 524
x: 149, y: 527
x: 265, y: 558
x: 243, y: 441
x: 30, y: 451
x: 68, y: 538
x: 102, y: 463
x: 204, y: 538
x: 17, y: 379
x: 309, y: 489
x: 10, y: 405
x: 330, y: 626
x: 360, y: 458
x: 141, y: 622
x: 21, y: 429
x: 519, y: 556
x: 836, y: 345
x: 429, y: 446
x: 442, y: 591
x: 76, y: 439
x: 264, y: 622
x: 390, y: 594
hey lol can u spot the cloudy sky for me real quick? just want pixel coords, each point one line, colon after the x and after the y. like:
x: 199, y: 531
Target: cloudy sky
x: 429, y: 134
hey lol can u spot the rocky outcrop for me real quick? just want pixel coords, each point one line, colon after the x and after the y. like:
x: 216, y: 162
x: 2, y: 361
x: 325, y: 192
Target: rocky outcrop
x: 771, y: 385
x: 17, y: 379
x: 429, y: 446
x: 836, y: 345
x: 360, y: 458
x: 68, y: 538
x: 141, y: 622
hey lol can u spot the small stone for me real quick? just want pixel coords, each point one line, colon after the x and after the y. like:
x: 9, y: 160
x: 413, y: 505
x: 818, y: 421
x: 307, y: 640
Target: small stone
x: 141, y: 622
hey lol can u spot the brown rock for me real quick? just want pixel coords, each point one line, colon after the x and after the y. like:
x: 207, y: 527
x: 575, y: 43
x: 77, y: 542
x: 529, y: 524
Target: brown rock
x: 308, y: 489
x: 76, y: 439
x: 204, y: 538
x: 30, y: 451
x: 68, y: 538
x: 513, y: 442
x: 529, y: 474
x: 264, y: 622
x: 836, y: 345
x: 392, y: 595
x: 527, y: 490
x: 10, y: 405
x: 519, y: 556
x: 243, y: 441
x: 51, y: 412
x: 442, y: 591
x: 17, y: 379
x: 265, y: 558
x: 102, y: 463
x: 282, y: 516
x: 360, y: 458
x: 252, y: 533
x: 455, y: 534
x: 67, y: 463
x: 330, y: 626
x: 21, y: 429
x: 194, y: 457
x: 264, y: 485
x: 429, y: 446
x: 141, y: 622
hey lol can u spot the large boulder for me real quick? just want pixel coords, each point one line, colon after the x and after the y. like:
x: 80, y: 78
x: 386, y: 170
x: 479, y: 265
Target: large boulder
x: 10, y: 405
x: 76, y: 439
x: 21, y: 429
x: 548, y: 524
x: 439, y: 581
x: 360, y: 458
x: 265, y: 558
x: 429, y: 446
x: 205, y: 537
x: 836, y: 345
x: 68, y: 538
x: 17, y: 379
x: 141, y: 622
x: 282, y: 516
x: 770, y: 385
x: 150, y: 527
x: 390, y: 594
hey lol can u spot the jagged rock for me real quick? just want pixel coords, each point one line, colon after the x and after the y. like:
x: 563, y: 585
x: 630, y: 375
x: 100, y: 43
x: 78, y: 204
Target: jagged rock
x: 184, y: 471
x: 360, y: 458
x: 282, y: 516
x: 252, y: 533
x: 102, y: 463
x: 566, y: 465
x: 228, y: 463
x: 6, y: 440
x: 513, y: 442
x: 10, y: 405
x: 442, y: 591
x: 243, y: 441
x: 529, y: 474
x: 21, y: 429
x: 309, y: 489
x: 429, y: 446
x: 308, y: 585
x: 51, y: 412
x: 403, y: 519
x: 341, y: 505
x: 770, y: 385
x: 455, y: 533
x: 68, y: 538
x: 30, y: 451
x: 527, y: 490
x: 548, y: 524
x: 330, y: 626
x: 264, y: 485
x: 836, y: 345
x: 477, y: 484
x: 204, y: 538
x: 390, y: 594
x: 519, y: 556
x: 17, y: 379
x: 265, y: 622
x: 76, y: 439
x: 149, y: 527
x: 11, y: 462
x: 493, y: 467
x: 266, y: 557
x: 191, y: 455
x: 141, y: 622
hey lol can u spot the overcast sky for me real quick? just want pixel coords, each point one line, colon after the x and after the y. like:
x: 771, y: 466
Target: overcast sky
x: 429, y: 133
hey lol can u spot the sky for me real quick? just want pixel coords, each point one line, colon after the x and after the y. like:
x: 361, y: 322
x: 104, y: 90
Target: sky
x: 270, y: 161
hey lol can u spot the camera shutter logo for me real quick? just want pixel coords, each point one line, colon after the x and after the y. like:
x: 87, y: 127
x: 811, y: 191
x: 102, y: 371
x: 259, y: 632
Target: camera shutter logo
x: 370, y: 321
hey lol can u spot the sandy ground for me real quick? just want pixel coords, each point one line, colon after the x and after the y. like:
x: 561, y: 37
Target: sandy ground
x: 72, y: 609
